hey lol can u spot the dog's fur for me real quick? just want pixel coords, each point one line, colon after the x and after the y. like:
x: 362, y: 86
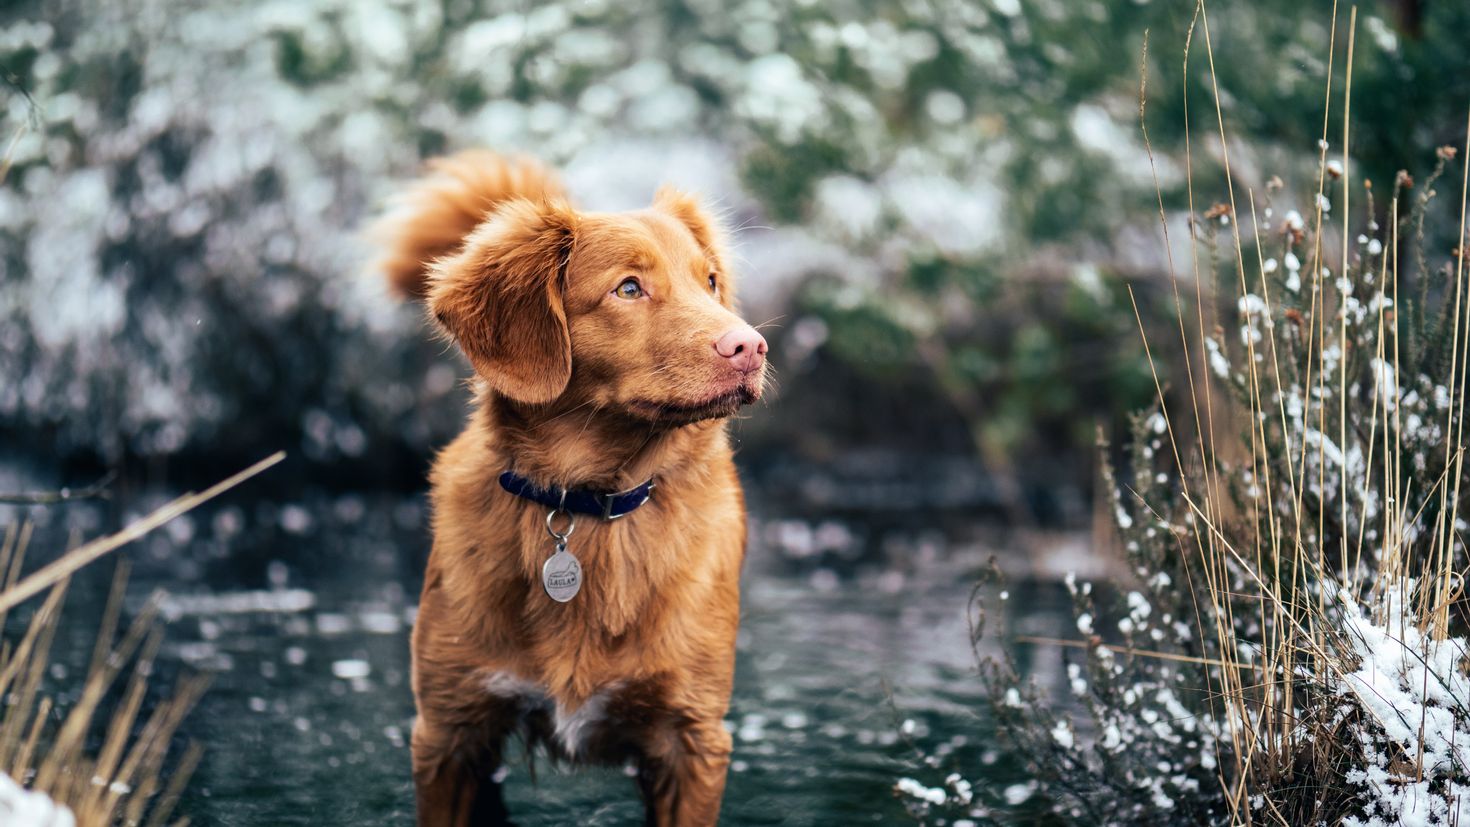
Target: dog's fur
x: 577, y: 387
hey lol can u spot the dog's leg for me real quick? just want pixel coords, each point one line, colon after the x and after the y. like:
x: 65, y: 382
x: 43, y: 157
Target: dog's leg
x: 460, y: 732
x: 683, y: 776
x: 453, y: 776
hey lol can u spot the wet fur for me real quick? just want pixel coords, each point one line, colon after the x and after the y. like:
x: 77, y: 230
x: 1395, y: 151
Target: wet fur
x: 574, y: 390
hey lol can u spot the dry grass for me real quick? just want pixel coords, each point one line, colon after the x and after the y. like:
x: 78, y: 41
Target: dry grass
x: 103, y: 755
x: 1293, y: 650
x: 1286, y: 552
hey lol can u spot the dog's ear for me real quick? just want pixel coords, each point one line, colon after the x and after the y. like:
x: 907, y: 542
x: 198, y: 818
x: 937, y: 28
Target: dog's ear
x: 500, y: 299
x: 702, y: 225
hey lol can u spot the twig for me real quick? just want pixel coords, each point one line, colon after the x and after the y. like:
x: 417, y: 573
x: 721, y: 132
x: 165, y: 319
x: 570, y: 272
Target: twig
x: 97, y: 490
x: 1128, y: 650
x: 82, y: 555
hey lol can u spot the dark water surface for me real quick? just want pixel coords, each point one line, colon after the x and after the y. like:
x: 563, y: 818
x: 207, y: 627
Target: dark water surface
x: 853, y: 651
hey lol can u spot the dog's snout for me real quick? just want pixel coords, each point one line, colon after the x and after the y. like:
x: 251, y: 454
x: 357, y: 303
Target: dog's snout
x: 743, y: 347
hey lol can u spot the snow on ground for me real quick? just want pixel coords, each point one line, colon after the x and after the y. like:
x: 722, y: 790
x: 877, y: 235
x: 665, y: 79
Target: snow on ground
x: 1416, y: 690
x: 20, y: 807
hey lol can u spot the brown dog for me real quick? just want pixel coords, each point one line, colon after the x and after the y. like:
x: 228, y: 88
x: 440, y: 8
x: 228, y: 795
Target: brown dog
x: 607, y: 355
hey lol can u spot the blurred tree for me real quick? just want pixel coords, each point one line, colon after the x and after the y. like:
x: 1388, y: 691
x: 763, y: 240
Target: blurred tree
x: 964, y: 182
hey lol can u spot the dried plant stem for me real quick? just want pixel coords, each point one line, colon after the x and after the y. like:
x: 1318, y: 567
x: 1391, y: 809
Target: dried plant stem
x: 104, y: 767
x: 1342, y: 360
x: 1127, y: 650
x: 77, y: 558
x: 1445, y: 570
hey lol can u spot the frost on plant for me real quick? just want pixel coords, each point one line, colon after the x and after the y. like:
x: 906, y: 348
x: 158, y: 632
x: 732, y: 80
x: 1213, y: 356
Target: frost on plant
x: 1291, y: 644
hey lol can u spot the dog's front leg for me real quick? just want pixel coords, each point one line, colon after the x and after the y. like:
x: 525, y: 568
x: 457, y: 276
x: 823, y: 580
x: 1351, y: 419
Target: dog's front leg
x: 453, y: 779
x: 683, y: 776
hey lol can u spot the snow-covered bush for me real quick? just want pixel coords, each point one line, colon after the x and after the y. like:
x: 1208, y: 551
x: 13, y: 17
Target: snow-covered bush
x: 178, y: 227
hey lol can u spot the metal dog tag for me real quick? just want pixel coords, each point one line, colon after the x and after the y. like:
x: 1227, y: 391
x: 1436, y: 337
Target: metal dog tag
x: 561, y: 575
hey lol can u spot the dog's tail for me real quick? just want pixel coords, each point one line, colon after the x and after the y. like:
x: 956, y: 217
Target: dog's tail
x: 434, y: 215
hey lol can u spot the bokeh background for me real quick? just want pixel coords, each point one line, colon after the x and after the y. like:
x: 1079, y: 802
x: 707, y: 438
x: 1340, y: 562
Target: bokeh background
x: 939, y: 210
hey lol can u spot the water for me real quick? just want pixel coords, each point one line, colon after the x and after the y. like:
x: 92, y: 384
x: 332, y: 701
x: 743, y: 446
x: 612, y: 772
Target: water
x: 853, y: 661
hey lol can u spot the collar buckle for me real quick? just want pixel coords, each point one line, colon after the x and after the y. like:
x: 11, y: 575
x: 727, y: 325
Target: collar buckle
x: 610, y: 500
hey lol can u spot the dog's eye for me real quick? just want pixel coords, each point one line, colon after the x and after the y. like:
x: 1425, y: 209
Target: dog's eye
x: 629, y: 289
x: 713, y: 284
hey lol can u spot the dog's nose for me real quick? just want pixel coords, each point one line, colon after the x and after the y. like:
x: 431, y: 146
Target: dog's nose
x: 744, y: 347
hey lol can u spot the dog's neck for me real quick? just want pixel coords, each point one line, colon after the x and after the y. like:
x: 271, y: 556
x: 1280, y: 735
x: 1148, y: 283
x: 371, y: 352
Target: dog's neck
x: 579, y: 446
x: 572, y: 448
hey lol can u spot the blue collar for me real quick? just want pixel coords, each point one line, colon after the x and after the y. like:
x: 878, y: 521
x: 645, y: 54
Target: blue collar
x: 607, y: 505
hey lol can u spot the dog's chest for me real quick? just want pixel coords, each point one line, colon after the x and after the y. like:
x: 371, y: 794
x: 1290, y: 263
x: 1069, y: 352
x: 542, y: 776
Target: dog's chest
x: 574, y: 730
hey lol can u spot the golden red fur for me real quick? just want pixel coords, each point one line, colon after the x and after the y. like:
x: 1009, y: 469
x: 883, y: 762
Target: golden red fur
x: 581, y: 384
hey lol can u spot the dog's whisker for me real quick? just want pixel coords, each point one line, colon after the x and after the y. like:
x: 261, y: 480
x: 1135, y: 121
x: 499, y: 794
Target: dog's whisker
x: 590, y: 416
x: 569, y: 411
x: 750, y: 225
x: 648, y: 437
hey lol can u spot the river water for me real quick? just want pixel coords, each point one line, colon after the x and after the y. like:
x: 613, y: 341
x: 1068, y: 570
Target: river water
x: 854, y: 660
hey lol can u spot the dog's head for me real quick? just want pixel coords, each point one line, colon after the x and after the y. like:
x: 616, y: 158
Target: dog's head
x: 630, y: 312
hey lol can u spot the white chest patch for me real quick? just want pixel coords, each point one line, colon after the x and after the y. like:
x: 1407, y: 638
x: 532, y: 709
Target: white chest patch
x: 572, y: 727
x: 575, y: 727
x: 507, y: 685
